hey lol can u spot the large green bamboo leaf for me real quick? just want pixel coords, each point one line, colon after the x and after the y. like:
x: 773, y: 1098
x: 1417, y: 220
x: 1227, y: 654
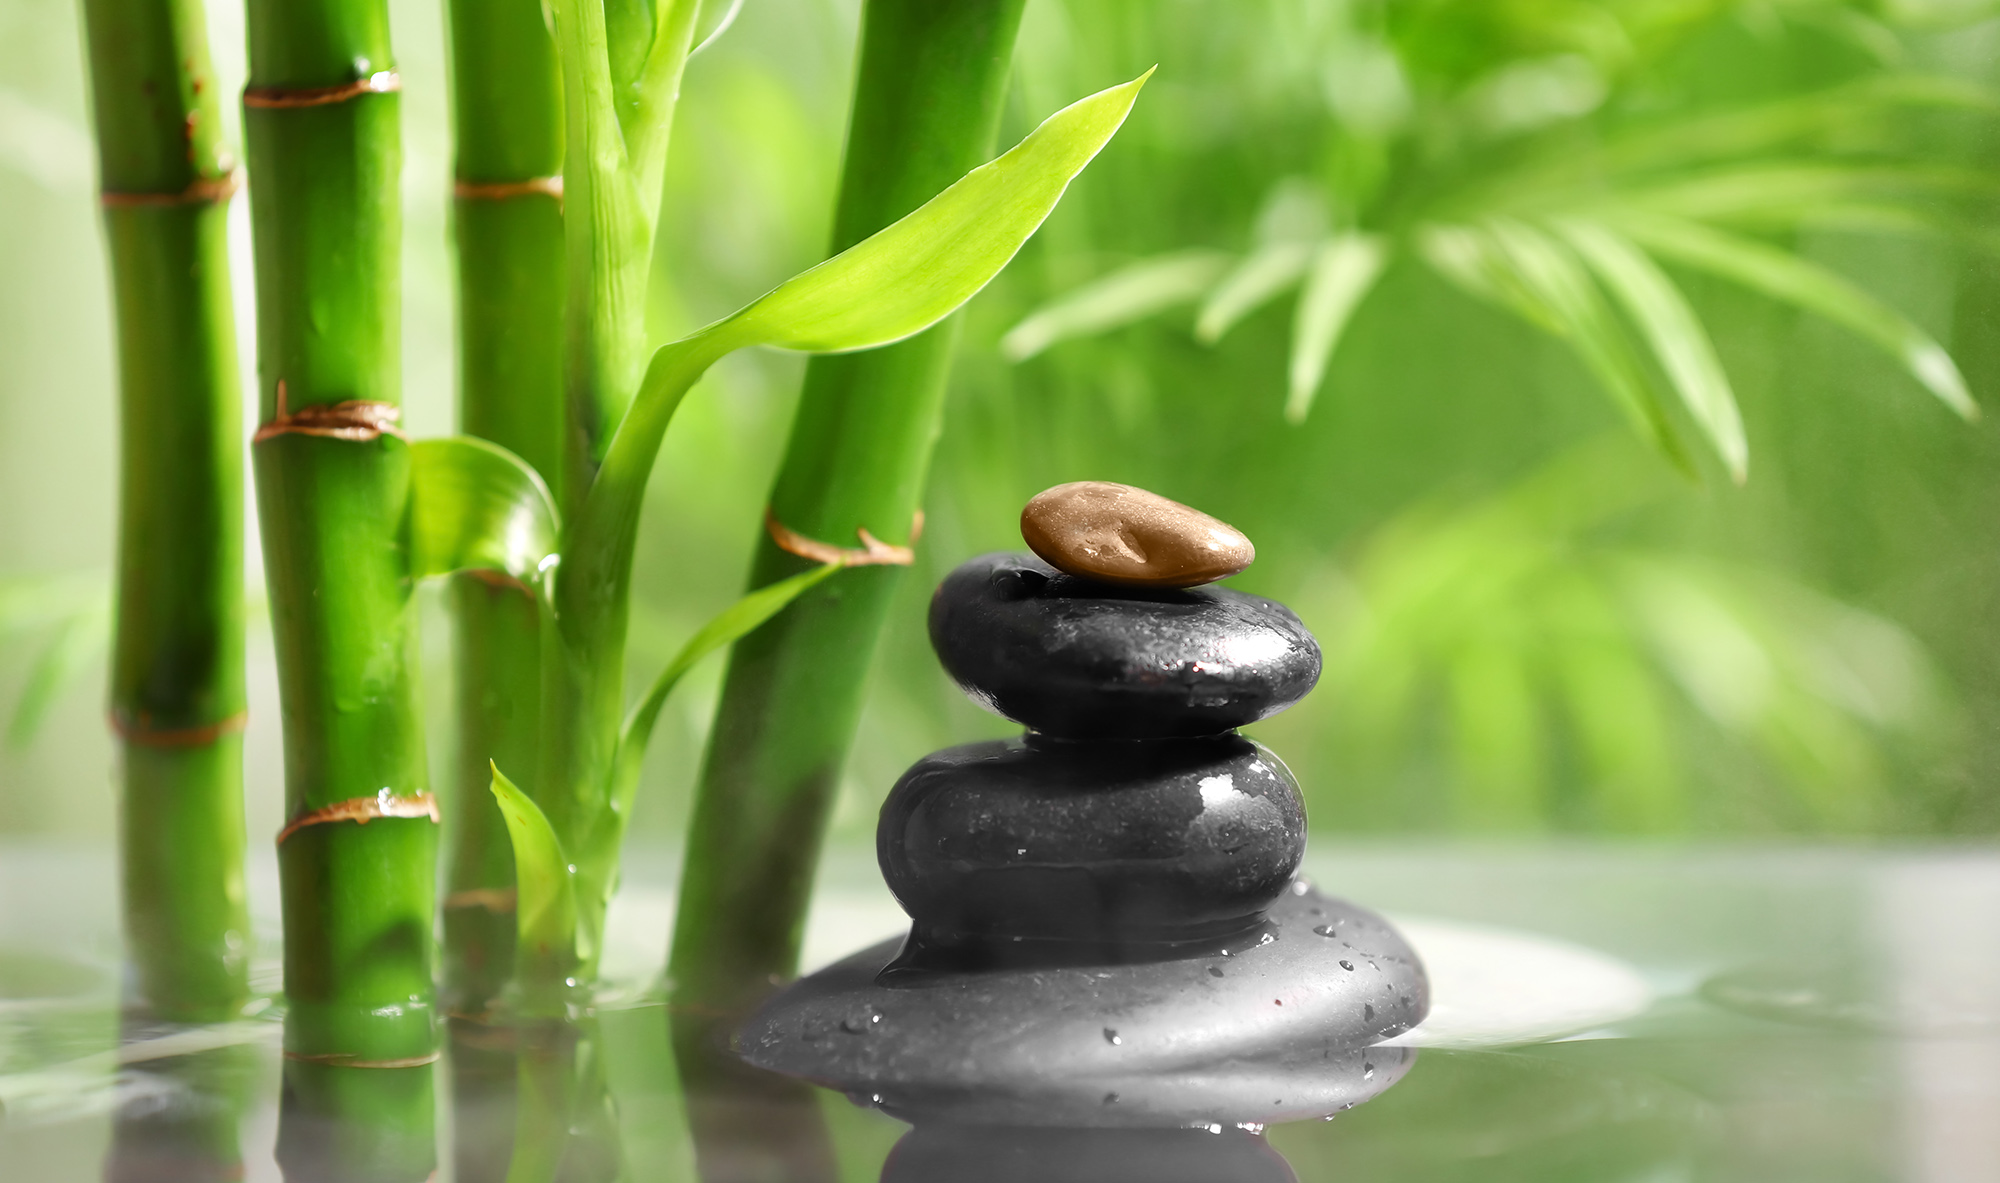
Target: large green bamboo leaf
x: 476, y: 506
x: 907, y: 277
x: 545, y: 881
x: 1343, y: 270
x: 895, y: 283
x: 1786, y: 277
x: 1116, y: 300
x: 1675, y: 333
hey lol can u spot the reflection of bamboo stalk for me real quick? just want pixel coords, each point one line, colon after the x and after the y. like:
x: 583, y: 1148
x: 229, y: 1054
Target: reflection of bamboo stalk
x: 747, y: 1124
x: 926, y: 108
x: 342, y: 1125
x: 189, y: 1134
x: 333, y: 489
x: 507, y: 126
x: 177, y: 671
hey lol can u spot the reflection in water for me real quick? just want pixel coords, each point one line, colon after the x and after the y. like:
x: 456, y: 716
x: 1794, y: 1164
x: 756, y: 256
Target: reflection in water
x: 748, y: 1124
x: 992, y: 1154
x: 480, y: 1064
x: 356, y: 1125
x: 177, y: 1122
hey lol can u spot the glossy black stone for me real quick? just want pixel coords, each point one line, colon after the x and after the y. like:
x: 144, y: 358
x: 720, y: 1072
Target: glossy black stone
x: 1103, y: 844
x: 1079, y: 659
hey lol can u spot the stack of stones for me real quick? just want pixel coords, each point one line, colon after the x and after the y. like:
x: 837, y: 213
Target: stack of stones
x: 1131, y: 823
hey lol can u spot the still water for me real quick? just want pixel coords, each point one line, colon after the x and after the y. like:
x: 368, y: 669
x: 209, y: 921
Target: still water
x: 1616, y: 1013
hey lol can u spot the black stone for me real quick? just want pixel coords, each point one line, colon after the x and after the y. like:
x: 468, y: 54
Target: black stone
x: 1081, y: 659
x: 935, y: 1153
x: 1103, y: 844
x: 1284, y: 1033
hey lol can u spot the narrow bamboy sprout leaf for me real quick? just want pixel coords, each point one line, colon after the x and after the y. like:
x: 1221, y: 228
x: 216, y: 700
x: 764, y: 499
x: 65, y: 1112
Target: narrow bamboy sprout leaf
x: 475, y: 505
x: 1342, y: 272
x: 1120, y: 298
x: 1675, y: 333
x: 1260, y: 276
x: 1813, y: 288
x: 733, y: 622
x: 545, y: 908
x: 916, y: 272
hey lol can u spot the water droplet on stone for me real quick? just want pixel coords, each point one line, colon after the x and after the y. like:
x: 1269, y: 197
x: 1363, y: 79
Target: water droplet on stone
x: 1367, y: 1012
x: 1214, y: 972
x: 1348, y: 966
x: 1111, y: 1037
x: 1325, y: 930
x: 853, y: 1026
x: 1367, y: 1071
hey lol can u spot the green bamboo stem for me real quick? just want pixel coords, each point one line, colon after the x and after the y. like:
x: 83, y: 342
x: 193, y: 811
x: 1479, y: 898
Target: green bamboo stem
x: 930, y: 85
x: 507, y: 124
x: 615, y: 159
x: 356, y: 859
x: 177, y: 696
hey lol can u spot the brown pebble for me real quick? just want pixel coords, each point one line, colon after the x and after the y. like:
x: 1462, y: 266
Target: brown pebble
x: 1120, y: 534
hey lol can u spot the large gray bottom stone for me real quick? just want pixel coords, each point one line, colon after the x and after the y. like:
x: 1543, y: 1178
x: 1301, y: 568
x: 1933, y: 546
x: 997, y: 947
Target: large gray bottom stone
x: 1278, y: 1025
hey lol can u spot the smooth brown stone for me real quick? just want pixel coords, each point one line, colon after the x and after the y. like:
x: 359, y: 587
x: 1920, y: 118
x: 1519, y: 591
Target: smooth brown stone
x: 1121, y: 534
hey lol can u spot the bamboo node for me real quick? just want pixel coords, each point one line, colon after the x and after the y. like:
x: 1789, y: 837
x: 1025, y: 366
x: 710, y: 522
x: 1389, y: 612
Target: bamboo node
x: 362, y: 810
x: 200, y: 191
x: 493, y: 899
x: 501, y: 190
x: 279, y: 98
x: 350, y: 1060
x: 873, y: 552
x: 140, y: 730
x: 358, y: 420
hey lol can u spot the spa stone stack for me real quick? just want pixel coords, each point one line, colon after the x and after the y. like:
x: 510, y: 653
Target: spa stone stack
x: 1106, y: 924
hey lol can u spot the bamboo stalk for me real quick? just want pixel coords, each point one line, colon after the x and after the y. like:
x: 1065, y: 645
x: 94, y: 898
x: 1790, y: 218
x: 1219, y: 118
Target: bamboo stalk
x: 356, y: 859
x: 927, y: 102
x: 615, y: 159
x: 507, y: 122
x: 177, y: 667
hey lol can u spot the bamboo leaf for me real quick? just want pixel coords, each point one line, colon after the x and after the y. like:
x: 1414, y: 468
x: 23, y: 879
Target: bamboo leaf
x: 545, y: 906
x: 1523, y: 269
x: 475, y: 505
x: 891, y: 285
x: 725, y: 628
x: 907, y: 277
x: 1115, y: 300
x: 1788, y: 278
x: 1256, y: 280
x: 1675, y: 333
x: 1343, y: 270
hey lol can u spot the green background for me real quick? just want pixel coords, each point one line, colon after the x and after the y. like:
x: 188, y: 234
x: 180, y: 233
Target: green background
x: 1814, y: 651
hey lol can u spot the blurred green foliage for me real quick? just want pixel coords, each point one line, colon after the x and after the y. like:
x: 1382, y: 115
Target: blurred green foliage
x: 1532, y: 618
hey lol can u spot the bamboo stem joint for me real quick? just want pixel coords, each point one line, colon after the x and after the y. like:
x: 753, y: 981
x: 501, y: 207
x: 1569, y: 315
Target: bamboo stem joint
x: 362, y: 810
x: 286, y: 97
x: 873, y: 552
x: 356, y: 420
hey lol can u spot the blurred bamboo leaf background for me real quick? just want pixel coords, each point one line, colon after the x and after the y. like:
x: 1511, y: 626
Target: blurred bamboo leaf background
x: 1472, y: 313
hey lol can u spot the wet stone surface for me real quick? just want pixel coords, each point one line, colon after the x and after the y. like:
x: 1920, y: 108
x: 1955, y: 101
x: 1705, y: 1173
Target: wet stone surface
x: 1075, y: 658
x: 1272, y: 1027
x: 1119, y: 534
x: 1104, y: 842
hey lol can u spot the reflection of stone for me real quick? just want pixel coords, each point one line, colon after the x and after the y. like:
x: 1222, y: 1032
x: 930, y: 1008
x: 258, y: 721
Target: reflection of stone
x: 970, y: 1154
x: 1277, y: 1025
x: 1106, y: 929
